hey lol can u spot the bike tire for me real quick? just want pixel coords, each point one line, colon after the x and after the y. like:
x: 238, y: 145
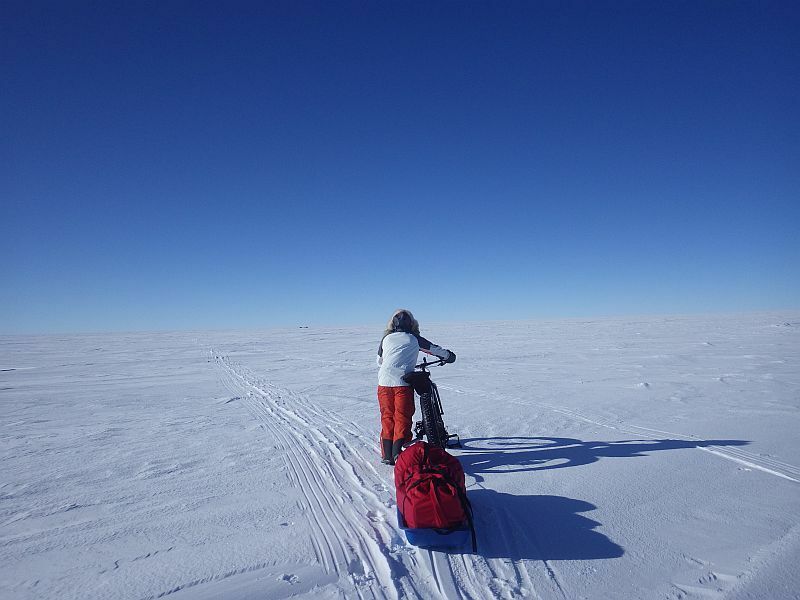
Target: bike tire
x: 438, y: 411
x: 432, y: 423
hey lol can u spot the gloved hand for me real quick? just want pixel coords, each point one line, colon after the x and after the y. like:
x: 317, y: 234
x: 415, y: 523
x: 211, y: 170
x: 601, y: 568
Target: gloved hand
x: 451, y: 357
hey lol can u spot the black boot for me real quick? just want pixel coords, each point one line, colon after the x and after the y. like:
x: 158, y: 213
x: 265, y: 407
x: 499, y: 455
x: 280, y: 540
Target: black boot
x: 397, y: 447
x: 386, y: 452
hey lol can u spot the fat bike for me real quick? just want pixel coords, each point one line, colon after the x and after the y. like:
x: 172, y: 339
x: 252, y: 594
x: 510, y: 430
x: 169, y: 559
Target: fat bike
x: 432, y: 424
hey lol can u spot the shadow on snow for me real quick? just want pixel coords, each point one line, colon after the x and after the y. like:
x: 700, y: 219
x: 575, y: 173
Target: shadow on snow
x: 537, y: 528
x: 518, y: 454
x: 547, y: 527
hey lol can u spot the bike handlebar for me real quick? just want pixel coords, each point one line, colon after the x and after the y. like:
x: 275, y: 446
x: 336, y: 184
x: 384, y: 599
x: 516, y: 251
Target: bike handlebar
x: 438, y: 363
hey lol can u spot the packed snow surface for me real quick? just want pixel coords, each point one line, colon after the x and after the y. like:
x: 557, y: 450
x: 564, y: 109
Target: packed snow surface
x: 612, y: 458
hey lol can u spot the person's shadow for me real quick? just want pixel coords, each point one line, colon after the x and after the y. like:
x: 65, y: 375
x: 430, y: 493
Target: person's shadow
x: 537, y: 528
x: 517, y: 454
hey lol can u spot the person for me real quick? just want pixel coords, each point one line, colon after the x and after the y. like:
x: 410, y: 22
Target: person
x: 397, y: 355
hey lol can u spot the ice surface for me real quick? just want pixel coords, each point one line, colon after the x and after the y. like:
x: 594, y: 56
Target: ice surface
x: 610, y: 458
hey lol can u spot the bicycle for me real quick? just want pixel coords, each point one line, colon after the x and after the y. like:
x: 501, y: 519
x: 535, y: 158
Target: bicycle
x: 432, y: 425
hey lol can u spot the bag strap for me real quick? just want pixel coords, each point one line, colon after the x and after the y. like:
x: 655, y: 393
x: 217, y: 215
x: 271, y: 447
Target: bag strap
x: 425, y: 478
x: 470, y: 520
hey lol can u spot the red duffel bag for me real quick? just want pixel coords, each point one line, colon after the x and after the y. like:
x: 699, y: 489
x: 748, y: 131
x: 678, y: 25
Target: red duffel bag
x: 431, y: 492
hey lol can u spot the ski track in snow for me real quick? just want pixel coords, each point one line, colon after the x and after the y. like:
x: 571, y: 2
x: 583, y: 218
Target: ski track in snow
x: 351, y: 508
x: 317, y: 461
x: 743, y: 457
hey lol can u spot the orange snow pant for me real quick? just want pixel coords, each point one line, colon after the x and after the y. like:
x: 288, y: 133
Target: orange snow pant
x: 397, y: 409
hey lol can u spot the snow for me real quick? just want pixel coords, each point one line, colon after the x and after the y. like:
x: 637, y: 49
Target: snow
x: 652, y: 457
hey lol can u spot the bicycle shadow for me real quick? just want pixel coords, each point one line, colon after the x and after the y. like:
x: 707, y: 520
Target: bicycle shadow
x: 537, y: 528
x: 519, y: 454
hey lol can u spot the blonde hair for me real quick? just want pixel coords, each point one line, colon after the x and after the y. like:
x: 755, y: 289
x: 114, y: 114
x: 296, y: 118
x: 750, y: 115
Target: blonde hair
x: 389, y: 327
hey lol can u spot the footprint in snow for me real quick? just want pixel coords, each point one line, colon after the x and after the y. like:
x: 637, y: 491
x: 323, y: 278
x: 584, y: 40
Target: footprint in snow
x: 376, y: 517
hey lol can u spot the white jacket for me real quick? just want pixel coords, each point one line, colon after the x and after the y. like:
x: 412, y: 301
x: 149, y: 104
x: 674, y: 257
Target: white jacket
x: 398, y: 354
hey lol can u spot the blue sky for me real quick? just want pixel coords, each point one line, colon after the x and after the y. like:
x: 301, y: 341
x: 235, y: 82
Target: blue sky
x: 173, y: 165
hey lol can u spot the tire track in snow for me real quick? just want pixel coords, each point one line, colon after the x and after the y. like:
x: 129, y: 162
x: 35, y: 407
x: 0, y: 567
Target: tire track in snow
x: 371, y: 553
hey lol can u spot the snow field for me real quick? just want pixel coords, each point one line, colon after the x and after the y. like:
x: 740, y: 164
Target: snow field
x: 611, y: 458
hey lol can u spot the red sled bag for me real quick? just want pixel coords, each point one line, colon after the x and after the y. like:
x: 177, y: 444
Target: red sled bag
x: 431, y: 492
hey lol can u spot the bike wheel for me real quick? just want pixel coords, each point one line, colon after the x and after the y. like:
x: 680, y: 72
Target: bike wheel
x: 432, y: 423
x: 437, y: 416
